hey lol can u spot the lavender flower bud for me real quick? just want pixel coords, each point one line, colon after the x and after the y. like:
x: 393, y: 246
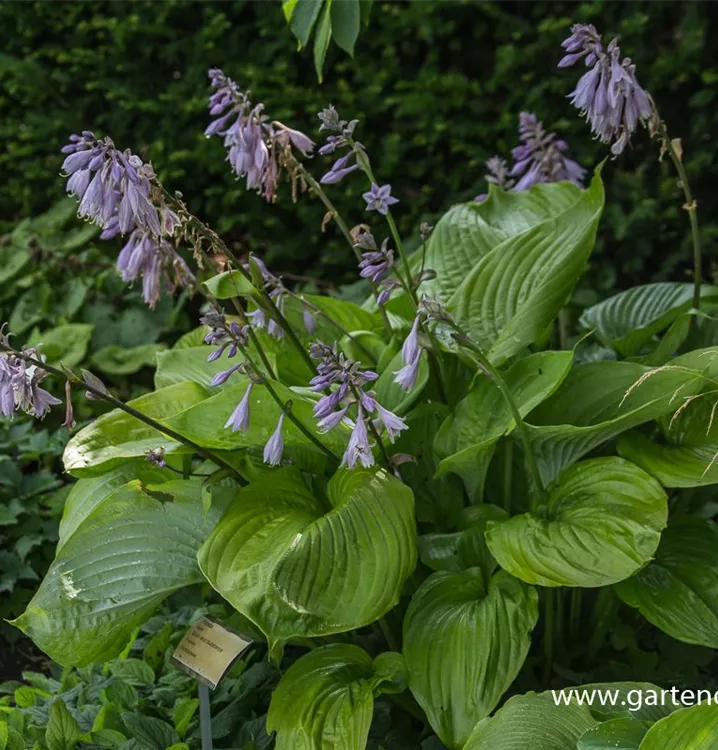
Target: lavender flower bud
x: 239, y: 418
x: 274, y: 448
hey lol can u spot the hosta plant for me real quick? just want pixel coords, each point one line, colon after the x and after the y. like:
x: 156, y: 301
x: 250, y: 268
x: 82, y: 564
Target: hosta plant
x: 441, y: 495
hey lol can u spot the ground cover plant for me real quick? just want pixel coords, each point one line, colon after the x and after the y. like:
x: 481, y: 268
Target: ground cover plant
x: 428, y: 496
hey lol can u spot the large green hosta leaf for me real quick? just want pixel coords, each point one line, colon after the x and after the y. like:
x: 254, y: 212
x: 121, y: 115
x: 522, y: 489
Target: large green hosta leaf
x: 600, y: 400
x: 325, y: 701
x: 678, y: 591
x: 616, y: 734
x: 87, y: 494
x: 123, y: 559
x: 297, y: 564
x: 464, y: 643
x: 115, y: 437
x: 689, y: 729
x: 507, y: 299
x: 685, y: 450
x: 533, y: 722
x: 602, y: 522
x: 467, y: 438
x: 629, y: 319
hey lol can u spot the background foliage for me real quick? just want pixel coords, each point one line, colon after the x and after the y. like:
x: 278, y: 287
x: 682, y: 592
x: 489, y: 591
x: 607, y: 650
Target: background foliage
x: 438, y: 87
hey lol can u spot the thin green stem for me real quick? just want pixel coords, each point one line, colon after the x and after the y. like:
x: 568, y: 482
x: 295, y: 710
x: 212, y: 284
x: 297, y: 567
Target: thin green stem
x: 388, y: 636
x: 690, y: 206
x: 508, y: 474
x: 110, y: 399
x: 575, y: 613
x: 493, y: 374
x: 333, y: 322
x: 317, y: 189
x: 286, y: 407
x: 548, y: 637
x: 366, y: 168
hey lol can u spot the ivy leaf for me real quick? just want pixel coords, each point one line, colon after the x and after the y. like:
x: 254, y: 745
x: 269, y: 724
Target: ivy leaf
x: 326, y: 698
x: 601, y: 523
x: 346, y: 21
x: 532, y: 721
x: 299, y: 565
x: 464, y: 643
x: 95, y: 594
x: 678, y: 591
x: 688, y: 729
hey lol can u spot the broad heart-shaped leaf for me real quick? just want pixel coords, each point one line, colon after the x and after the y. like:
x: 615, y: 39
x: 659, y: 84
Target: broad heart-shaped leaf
x: 683, y: 453
x: 678, y: 591
x: 126, y: 556
x: 464, y: 643
x: 87, y: 494
x: 512, y: 294
x: 325, y: 701
x: 630, y: 319
x: 467, y: 439
x: 599, y: 400
x: 624, y: 733
x: 300, y: 565
x: 602, y: 522
x: 117, y: 436
x: 535, y: 722
x: 689, y: 729
x: 470, y: 231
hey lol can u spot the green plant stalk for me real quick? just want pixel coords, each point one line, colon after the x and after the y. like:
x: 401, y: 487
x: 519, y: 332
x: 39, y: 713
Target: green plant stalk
x: 106, y: 396
x: 366, y: 168
x: 317, y: 189
x: 575, y: 613
x: 508, y: 474
x: 493, y: 374
x: 548, y: 638
x: 287, y: 409
x: 214, y: 239
x: 691, y: 207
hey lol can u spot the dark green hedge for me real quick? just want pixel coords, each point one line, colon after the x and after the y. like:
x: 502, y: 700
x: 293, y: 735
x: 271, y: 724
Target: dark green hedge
x: 437, y: 87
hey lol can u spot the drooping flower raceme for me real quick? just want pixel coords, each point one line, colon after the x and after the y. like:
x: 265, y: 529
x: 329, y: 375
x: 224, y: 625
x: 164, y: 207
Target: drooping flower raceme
x: 540, y: 157
x: 609, y: 93
x: 115, y: 192
x: 346, y: 383
x: 20, y: 384
x: 256, y: 147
